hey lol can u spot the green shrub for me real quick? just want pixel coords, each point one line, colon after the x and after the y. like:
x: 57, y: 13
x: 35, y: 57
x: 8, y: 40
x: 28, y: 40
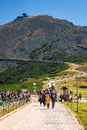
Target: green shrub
x: 30, y: 70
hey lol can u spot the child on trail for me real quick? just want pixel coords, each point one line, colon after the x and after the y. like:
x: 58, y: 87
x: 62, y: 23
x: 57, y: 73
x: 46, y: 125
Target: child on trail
x: 47, y: 99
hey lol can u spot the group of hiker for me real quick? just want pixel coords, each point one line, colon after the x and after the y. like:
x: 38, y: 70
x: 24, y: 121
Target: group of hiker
x: 47, y: 97
x: 11, y: 96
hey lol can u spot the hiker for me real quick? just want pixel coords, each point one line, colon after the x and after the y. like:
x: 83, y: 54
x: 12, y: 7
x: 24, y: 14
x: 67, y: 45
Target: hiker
x: 53, y: 98
x: 47, y: 99
x: 43, y: 98
x: 60, y: 98
x: 40, y: 99
x: 80, y: 96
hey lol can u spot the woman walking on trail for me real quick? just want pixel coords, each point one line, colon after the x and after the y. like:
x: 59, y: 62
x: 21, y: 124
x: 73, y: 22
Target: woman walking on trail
x: 47, y: 99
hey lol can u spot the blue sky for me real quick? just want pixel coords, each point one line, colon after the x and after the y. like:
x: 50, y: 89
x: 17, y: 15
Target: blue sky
x: 74, y: 11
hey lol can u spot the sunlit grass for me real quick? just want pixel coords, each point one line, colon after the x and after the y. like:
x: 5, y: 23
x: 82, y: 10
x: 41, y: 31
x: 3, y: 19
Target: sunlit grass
x: 82, y: 111
x: 18, y: 86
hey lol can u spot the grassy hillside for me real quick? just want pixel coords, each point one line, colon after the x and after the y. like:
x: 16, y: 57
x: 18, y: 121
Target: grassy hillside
x: 63, y: 56
x: 19, y: 86
x: 30, y: 70
x: 77, y: 59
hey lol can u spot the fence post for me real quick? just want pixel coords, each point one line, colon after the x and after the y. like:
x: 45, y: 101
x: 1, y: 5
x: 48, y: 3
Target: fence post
x: 3, y: 110
x: 13, y: 106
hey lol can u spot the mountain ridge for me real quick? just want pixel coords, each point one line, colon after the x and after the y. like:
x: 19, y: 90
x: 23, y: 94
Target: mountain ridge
x: 42, y: 38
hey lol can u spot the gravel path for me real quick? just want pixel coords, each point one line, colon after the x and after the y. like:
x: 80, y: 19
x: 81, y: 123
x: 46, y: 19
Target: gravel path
x: 36, y: 117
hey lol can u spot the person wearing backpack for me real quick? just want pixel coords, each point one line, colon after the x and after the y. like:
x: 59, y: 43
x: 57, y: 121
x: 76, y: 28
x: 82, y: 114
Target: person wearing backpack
x: 53, y: 99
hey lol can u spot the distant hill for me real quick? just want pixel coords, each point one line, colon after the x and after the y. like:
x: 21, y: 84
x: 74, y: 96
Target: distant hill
x: 42, y: 38
x: 24, y: 71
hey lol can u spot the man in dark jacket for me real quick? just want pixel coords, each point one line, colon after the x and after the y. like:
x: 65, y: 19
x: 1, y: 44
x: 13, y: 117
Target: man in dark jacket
x: 53, y: 98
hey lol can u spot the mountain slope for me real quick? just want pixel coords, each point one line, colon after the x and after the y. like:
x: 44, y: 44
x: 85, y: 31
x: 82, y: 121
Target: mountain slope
x: 42, y: 38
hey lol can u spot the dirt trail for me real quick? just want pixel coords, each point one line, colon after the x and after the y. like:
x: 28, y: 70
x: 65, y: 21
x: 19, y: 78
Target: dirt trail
x: 36, y: 117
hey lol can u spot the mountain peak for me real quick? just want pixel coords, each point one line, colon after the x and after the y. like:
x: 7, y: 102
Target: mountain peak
x: 42, y: 38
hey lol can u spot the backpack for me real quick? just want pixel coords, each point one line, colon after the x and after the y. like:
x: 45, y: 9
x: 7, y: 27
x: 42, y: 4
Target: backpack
x: 53, y: 96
